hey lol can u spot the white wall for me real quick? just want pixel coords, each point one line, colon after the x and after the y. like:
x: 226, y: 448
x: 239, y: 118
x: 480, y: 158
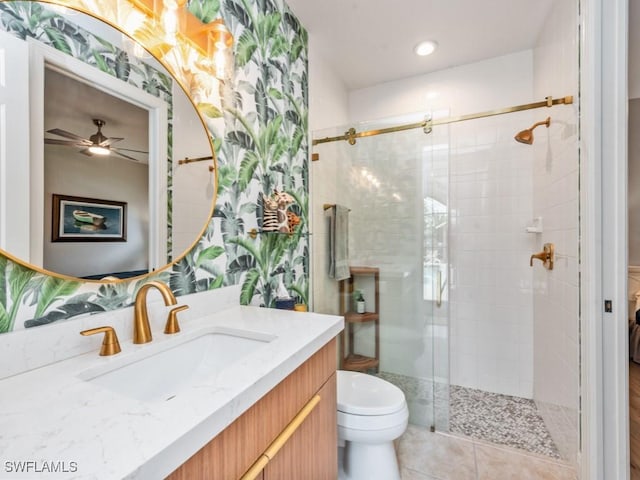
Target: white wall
x: 327, y: 108
x: 556, y: 292
x: 476, y: 87
x: 328, y: 96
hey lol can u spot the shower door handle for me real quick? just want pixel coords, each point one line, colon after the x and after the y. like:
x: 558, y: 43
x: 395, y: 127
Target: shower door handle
x: 439, y: 288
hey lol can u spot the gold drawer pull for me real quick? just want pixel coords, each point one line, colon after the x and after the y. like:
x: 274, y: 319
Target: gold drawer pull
x: 256, y: 468
x: 290, y: 429
x: 281, y: 439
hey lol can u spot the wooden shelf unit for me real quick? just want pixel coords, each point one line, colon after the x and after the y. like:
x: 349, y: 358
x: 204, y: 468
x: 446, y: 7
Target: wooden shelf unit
x: 350, y: 360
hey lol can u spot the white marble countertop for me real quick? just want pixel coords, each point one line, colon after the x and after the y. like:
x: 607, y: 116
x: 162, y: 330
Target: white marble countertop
x: 53, y: 419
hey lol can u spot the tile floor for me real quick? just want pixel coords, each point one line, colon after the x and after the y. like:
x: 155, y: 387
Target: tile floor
x: 420, y: 397
x: 423, y: 455
x: 490, y: 417
x: 500, y: 420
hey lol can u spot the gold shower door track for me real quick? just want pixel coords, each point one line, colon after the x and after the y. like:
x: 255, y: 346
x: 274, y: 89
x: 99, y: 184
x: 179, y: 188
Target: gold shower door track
x: 427, y: 125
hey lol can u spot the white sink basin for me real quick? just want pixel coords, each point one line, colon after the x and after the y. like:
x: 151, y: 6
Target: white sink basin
x: 160, y: 376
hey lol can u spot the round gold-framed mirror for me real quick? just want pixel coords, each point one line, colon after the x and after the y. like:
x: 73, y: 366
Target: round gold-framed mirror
x: 73, y: 213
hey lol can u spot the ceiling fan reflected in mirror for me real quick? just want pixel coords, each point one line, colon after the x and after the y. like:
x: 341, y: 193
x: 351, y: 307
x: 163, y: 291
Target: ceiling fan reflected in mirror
x: 96, y: 144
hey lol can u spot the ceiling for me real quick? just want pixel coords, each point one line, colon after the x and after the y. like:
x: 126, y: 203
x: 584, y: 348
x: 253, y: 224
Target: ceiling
x: 368, y: 42
x: 365, y: 42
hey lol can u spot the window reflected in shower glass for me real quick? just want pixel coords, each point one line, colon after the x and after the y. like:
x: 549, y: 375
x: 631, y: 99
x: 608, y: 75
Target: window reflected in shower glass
x: 435, y: 228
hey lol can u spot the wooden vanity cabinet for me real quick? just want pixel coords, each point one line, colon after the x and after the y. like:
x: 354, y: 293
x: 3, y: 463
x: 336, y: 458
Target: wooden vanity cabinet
x: 310, y: 453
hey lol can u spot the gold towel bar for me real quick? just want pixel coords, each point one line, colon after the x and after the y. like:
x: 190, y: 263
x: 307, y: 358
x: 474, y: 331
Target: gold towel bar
x: 281, y: 439
x: 327, y: 206
x: 187, y: 160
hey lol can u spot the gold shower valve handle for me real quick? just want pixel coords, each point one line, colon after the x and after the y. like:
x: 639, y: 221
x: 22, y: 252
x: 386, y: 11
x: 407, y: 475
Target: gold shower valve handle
x: 540, y: 256
x: 110, y: 344
x: 546, y: 256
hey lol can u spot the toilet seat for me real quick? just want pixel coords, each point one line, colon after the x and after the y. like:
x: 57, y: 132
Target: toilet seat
x: 373, y: 423
x: 360, y: 394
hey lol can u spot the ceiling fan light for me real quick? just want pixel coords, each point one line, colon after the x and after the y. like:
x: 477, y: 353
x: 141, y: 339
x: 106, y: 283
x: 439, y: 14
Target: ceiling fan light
x: 98, y: 150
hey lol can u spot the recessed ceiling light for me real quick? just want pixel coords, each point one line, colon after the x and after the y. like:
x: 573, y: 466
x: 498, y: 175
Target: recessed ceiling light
x: 425, y: 48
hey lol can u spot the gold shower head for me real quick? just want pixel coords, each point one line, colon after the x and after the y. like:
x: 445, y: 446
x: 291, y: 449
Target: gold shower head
x: 526, y: 136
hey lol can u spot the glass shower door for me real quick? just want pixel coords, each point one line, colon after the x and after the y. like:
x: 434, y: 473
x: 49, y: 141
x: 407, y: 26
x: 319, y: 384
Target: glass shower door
x: 396, y: 188
x: 436, y: 265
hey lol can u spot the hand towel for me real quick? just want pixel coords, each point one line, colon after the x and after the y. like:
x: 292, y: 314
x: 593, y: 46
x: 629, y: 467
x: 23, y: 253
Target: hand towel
x: 338, y: 242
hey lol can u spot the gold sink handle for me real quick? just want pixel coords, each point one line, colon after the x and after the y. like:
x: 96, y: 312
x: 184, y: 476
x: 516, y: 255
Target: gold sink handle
x: 546, y: 256
x: 110, y: 344
x: 172, y: 325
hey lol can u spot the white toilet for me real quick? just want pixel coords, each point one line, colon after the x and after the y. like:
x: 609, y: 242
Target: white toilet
x: 372, y: 413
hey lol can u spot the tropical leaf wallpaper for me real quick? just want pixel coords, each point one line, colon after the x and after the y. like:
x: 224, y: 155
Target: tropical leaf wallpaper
x: 259, y: 131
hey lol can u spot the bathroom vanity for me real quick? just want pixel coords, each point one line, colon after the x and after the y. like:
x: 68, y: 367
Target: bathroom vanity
x: 309, y: 453
x: 204, y: 415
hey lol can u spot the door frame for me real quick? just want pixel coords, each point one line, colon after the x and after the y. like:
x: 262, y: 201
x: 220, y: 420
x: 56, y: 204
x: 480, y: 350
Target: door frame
x: 603, y: 199
x: 14, y: 146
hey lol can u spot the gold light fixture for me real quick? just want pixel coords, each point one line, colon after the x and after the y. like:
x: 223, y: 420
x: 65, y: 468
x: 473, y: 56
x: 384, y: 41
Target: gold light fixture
x: 219, y: 49
x: 169, y: 22
x: 171, y: 14
x: 214, y: 42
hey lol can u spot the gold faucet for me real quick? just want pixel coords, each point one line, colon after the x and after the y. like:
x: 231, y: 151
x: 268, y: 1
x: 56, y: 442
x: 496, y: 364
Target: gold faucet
x: 141, y: 328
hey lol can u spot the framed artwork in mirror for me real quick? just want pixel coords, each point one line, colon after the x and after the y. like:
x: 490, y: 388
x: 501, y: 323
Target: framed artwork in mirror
x: 81, y: 219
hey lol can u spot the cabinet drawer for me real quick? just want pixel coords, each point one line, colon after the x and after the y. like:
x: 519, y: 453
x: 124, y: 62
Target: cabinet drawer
x: 309, y: 454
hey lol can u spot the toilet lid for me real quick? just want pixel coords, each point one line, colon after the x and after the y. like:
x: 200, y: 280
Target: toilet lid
x: 362, y: 394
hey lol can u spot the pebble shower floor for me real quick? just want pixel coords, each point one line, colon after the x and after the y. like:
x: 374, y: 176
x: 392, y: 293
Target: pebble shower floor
x: 492, y: 417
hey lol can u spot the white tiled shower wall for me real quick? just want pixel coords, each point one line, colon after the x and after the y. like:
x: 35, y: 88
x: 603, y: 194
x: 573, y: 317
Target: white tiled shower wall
x: 490, y: 336
x: 491, y: 311
x: 556, y: 292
